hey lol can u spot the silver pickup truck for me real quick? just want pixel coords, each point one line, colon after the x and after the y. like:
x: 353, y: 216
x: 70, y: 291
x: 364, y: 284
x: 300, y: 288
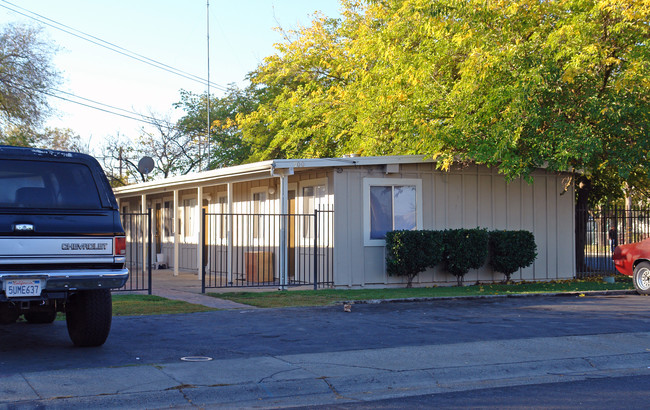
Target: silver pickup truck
x: 62, y: 245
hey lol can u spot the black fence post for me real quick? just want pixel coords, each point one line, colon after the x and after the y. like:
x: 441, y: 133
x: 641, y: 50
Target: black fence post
x: 149, y: 246
x: 315, y: 249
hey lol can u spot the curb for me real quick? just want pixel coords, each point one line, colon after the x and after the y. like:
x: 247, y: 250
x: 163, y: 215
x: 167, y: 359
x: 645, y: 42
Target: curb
x: 475, y: 297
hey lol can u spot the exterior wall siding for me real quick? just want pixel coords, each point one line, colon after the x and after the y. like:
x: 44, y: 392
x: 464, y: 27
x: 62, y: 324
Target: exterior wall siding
x: 469, y: 197
x: 463, y: 197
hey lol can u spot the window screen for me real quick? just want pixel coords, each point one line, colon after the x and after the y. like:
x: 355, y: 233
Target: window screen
x: 49, y: 185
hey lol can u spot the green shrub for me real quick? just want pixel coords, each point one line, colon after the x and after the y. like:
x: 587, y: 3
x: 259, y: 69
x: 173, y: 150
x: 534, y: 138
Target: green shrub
x: 511, y: 250
x: 411, y: 252
x: 465, y: 249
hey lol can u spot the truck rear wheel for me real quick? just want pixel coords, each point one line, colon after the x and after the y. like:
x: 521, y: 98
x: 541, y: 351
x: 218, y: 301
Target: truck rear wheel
x: 88, y: 316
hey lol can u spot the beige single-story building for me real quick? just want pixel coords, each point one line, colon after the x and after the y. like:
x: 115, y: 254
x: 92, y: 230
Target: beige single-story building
x: 261, y: 217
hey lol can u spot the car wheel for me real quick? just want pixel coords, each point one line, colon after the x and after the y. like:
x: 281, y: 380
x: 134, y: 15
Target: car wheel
x: 88, y: 316
x: 41, y: 317
x: 641, y: 278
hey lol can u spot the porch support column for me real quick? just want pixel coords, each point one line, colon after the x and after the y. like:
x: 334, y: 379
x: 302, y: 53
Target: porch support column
x: 177, y: 234
x: 229, y: 229
x: 283, y: 251
x: 199, y: 229
x: 146, y: 231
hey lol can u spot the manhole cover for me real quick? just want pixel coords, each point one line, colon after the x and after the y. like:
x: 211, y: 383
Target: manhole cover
x: 196, y: 359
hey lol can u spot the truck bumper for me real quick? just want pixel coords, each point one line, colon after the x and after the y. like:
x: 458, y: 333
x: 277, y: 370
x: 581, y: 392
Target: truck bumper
x: 69, y: 280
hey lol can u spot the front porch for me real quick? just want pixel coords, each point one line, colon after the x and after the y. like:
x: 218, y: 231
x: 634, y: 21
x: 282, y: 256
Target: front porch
x: 236, y: 250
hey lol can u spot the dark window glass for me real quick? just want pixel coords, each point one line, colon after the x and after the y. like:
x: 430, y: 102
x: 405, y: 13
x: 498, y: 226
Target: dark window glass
x: 55, y: 185
x: 381, y: 211
x: 391, y: 207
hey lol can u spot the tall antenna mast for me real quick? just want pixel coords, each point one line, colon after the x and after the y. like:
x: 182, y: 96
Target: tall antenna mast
x: 207, y: 5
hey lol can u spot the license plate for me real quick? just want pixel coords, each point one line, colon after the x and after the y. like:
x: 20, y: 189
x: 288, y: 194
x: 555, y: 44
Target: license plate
x: 18, y: 288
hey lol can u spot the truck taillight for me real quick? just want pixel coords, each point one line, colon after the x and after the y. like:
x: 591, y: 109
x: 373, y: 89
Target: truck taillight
x: 120, y: 245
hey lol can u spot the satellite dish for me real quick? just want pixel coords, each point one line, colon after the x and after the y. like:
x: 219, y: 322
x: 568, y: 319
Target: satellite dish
x: 145, y: 165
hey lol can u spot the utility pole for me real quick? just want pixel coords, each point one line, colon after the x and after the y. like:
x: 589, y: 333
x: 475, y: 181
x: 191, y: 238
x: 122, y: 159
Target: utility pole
x: 120, y: 161
x: 207, y: 4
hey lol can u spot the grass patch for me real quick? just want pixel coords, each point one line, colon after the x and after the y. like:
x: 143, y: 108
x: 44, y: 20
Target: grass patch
x: 135, y: 305
x: 330, y: 296
x: 143, y: 305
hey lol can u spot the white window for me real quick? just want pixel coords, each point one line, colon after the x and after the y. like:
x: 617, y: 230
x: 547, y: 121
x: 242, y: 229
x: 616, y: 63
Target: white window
x: 313, y: 197
x: 189, y: 220
x: 222, y: 221
x: 258, y: 213
x: 390, y: 204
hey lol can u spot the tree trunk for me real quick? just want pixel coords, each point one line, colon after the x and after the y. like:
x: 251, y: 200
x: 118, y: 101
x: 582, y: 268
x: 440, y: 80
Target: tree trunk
x: 583, y: 187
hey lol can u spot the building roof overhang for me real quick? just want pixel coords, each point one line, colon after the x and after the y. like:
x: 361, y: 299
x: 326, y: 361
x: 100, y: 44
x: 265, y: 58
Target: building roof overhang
x: 258, y: 170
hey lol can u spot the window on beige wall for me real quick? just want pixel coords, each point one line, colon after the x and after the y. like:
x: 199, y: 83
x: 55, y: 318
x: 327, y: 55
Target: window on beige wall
x: 222, y: 221
x: 390, y: 204
x: 168, y: 221
x: 259, y: 209
x: 189, y: 220
x: 313, y: 197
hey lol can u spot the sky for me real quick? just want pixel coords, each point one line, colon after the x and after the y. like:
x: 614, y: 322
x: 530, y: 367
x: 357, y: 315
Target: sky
x: 173, y: 32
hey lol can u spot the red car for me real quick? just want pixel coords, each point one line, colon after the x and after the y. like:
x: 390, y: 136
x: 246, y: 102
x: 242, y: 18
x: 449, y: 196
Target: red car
x: 634, y: 260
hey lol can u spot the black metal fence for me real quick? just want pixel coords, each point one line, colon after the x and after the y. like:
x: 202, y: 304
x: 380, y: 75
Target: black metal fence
x: 137, y: 227
x: 602, y: 230
x: 250, y: 250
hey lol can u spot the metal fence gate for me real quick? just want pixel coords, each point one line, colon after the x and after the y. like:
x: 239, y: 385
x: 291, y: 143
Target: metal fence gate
x: 245, y: 250
x: 605, y: 227
x: 137, y: 227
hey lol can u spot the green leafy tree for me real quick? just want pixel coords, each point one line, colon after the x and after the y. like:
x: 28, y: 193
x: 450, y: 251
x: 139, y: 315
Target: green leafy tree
x: 26, y: 79
x: 226, y: 144
x: 63, y: 139
x: 511, y: 84
x: 303, y: 112
x: 516, y: 85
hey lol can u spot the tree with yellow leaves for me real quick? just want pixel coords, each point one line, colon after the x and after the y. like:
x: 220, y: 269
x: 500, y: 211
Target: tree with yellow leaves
x: 514, y: 84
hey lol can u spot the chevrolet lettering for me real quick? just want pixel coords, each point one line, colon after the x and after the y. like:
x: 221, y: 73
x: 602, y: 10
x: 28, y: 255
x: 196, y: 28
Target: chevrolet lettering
x: 62, y: 244
x: 83, y: 246
x: 23, y: 227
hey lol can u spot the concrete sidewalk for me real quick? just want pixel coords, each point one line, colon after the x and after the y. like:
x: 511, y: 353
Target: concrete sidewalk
x: 333, y: 377
x: 187, y: 287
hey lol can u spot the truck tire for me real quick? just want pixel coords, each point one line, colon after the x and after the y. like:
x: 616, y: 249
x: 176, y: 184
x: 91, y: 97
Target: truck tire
x: 88, y: 316
x: 41, y: 316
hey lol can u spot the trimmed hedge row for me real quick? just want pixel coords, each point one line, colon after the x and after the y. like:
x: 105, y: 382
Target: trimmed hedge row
x: 411, y: 252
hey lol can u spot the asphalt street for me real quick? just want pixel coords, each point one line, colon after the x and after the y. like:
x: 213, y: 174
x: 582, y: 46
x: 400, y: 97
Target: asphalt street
x: 605, y: 393
x: 324, y: 356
